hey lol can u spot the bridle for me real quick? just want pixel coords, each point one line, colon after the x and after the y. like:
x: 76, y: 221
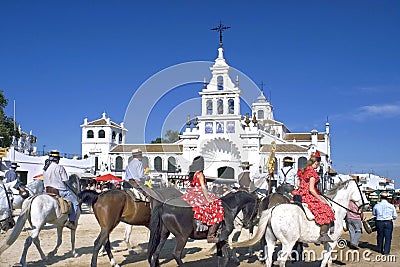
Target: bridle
x: 253, y: 214
x: 346, y: 208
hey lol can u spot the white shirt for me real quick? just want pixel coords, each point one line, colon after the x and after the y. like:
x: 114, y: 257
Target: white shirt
x: 55, y: 176
x: 291, y: 175
x: 135, y: 170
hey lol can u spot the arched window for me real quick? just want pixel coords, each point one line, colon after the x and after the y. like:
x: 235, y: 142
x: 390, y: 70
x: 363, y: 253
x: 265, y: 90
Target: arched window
x: 102, y: 134
x: 226, y: 172
x: 260, y: 114
x: 301, y: 162
x: 231, y: 106
x: 158, y: 164
x: 113, y: 135
x: 171, y: 164
x: 90, y: 134
x: 120, y: 137
x: 119, y: 163
x: 209, y: 107
x: 220, y: 106
x: 220, y: 83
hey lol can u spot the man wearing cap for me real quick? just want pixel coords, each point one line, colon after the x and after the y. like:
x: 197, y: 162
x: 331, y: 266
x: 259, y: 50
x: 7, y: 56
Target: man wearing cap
x: 134, y: 172
x: 54, y: 178
x: 287, y: 174
x: 385, y: 214
x: 11, y: 175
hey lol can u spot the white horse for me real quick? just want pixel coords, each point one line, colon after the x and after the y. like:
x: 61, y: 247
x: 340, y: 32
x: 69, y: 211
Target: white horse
x: 40, y: 210
x: 6, y: 216
x: 35, y: 187
x: 288, y: 223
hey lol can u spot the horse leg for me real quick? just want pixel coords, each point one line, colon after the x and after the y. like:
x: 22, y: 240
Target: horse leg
x: 98, y: 243
x: 73, y: 251
x: 269, y: 246
x: 163, y: 237
x: 327, y: 259
x: 222, y: 253
x: 59, y: 241
x: 127, y: 235
x: 235, y: 238
x: 107, y: 247
x: 28, y: 242
x: 285, y: 252
x: 180, y: 245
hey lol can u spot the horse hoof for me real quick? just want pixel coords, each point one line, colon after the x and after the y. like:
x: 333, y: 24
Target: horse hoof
x: 75, y: 254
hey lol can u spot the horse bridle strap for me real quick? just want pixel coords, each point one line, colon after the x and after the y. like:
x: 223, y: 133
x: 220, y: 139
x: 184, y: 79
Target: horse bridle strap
x: 346, y: 208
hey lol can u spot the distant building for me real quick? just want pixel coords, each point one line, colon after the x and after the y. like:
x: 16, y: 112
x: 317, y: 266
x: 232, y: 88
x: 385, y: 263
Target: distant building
x: 221, y: 134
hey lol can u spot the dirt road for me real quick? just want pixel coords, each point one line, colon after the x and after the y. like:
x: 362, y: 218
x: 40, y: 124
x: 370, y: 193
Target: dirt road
x: 196, y: 252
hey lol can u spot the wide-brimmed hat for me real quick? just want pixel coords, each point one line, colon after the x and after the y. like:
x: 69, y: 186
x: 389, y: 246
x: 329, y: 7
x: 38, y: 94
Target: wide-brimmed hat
x: 197, y: 164
x: 288, y: 160
x: 332, y: 171
x: 14, y: 165
x: 54, y: 154
x: 136, y: 152
x: 245, y: 164
x: 385, y: 195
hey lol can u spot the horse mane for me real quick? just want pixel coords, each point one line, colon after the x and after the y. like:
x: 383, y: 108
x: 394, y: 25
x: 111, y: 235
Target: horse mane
x: 336, y: 187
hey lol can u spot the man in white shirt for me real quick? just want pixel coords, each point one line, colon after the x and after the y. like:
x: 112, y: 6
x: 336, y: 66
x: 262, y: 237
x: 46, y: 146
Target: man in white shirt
x: 134, y: 172
x: 287, y: 174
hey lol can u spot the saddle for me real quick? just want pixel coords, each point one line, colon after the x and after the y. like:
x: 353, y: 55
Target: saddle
x: 65, y: 205
x: 137, y: 195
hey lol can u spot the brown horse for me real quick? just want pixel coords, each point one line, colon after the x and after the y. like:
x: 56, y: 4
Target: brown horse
x: 110, y: 208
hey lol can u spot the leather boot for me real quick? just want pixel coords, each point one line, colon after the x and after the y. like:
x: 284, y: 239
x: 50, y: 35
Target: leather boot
x: 212, y: 230
x: 323, y: 234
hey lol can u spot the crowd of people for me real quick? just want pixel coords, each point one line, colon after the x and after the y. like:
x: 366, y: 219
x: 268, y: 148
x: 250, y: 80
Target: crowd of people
x: 207, y: 207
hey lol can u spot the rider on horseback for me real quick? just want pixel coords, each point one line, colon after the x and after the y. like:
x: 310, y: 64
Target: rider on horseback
x: 308, y: 190
x: 11, y: 175
x: 207, y: 207
x: 55, y: 178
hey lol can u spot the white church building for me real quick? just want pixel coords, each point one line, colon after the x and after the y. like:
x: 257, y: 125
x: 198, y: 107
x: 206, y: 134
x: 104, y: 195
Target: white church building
x: 221, y: 134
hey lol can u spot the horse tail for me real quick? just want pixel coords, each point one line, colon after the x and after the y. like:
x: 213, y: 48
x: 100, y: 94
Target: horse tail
x: 264, y: 221
x: 155, y: 231
x: 89, y: 197
x: 19, y: 225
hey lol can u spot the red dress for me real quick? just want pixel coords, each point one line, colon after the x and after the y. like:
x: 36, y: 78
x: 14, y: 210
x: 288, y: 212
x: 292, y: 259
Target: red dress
x: 208, y: 213
x: 322, y: 212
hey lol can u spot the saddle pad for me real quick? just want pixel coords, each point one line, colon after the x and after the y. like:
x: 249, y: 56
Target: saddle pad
x: 308, y: 213
x: 138, y: 195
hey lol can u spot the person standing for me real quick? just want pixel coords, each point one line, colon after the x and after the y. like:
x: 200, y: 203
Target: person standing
x: 207, y: 208
x: 308, y: 190
x: 385, y: 214
x: 11, y: 175
x: 354, y: 224
x: 55, y: 178
x: 134, y: 173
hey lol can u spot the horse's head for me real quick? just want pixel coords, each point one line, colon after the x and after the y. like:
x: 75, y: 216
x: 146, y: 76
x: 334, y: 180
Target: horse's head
x: 347, y: 187
x: 249, y: 209
x: 74, y: 183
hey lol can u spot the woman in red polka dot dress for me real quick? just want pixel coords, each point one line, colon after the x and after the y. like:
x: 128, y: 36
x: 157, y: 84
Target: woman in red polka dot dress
x: 207, y: 208
x: 308, y: 190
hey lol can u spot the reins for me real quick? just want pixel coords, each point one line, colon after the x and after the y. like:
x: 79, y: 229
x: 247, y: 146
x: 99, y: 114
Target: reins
x: 346, y: 208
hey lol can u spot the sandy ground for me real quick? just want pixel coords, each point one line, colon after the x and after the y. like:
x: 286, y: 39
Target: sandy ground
x: 196, y: 253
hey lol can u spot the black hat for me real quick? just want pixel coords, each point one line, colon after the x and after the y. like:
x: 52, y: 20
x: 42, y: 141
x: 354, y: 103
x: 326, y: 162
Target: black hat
x: 197, y: 164
x: 14, y: 165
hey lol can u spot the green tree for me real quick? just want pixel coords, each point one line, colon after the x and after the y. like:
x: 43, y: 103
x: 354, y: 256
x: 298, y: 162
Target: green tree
x: 171, y: 136
x: 6, y: 124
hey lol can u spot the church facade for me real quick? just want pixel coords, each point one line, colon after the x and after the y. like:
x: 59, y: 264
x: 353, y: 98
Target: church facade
x: 222, y: 135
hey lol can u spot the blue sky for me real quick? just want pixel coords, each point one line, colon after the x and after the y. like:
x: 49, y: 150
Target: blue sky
x: 62, y: 61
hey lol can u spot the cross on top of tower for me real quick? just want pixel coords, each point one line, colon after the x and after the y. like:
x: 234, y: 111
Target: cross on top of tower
x: 220, y: 28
